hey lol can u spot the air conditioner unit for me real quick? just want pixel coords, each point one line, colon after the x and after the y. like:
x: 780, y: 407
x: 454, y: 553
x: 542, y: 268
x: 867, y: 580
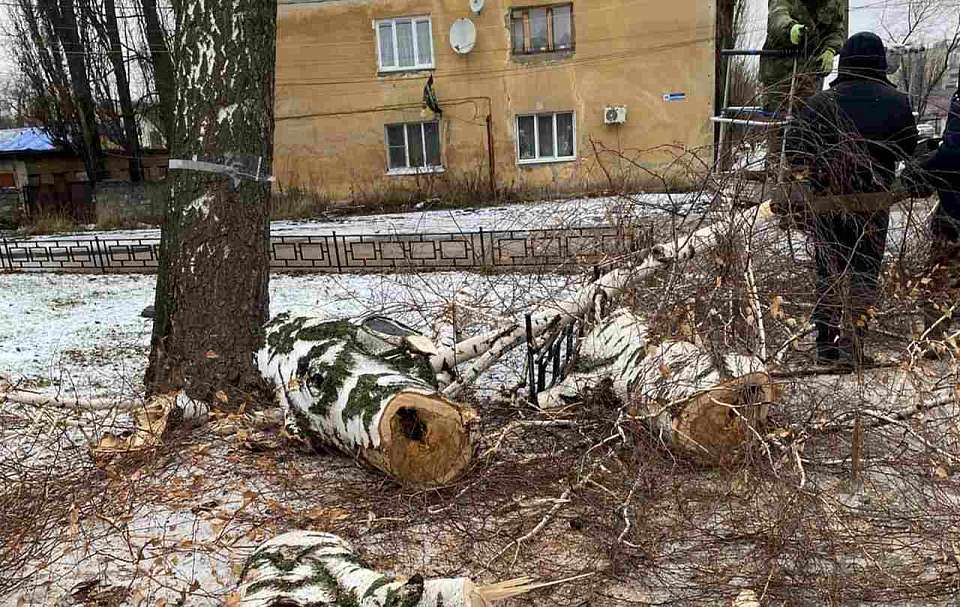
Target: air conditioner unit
x: 616, y: 114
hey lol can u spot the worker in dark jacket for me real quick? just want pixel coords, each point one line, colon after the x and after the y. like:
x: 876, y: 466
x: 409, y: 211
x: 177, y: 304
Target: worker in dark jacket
x: 941, y: 170
x: 848, y: 140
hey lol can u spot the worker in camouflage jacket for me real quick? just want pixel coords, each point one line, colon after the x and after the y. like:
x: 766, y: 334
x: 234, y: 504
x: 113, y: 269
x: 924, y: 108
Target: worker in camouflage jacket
x: 816, y: 29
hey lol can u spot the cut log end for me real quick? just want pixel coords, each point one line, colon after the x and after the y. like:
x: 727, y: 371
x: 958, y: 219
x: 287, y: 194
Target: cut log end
x: 425, y: 439
x: 720, y: 421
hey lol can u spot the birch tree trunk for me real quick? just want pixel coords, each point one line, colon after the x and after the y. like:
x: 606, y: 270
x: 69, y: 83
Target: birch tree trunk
x: 306, y: 568
x: 212, y: 300
x: 697, y: 401
x: 365, y: 387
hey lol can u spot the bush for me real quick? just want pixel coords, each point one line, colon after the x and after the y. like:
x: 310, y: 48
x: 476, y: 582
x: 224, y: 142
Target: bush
x: 50, y: 223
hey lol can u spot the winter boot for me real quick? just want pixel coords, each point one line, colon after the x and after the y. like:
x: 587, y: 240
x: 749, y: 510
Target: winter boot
x: 828, y: 351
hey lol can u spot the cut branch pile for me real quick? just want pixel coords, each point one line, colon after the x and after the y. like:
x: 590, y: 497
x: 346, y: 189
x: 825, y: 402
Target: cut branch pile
x: 366, y: 387
x: 302, y: 568
x: 696, y: 401
x: 487, y: 349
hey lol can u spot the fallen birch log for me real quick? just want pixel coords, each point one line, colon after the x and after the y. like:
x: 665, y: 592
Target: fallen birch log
x: 488, y: 348
x: 304, y: 568
x: 693, y: 400
x: 9, y: 393
x: 366, y: 387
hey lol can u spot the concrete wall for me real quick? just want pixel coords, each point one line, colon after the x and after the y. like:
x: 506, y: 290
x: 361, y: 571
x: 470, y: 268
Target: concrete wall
x: 332, y: 104
x: 41, y: 169
x: 10, y: 207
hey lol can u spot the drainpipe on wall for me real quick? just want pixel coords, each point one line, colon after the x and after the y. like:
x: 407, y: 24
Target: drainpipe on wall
x: 491, y: 156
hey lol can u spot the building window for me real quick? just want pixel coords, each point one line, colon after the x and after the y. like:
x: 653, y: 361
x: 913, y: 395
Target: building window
x: 413, y: 148
x: 405, y: 43
x: 542, y: 29
x: 546, y: 137
x: 7, y: 180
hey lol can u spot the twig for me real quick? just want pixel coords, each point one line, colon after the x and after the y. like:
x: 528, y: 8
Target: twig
x: 560, y: 503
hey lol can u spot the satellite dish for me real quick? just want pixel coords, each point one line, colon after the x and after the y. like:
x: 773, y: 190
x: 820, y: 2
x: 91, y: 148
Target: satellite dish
x: 463, y: 36
x: 476, y: 6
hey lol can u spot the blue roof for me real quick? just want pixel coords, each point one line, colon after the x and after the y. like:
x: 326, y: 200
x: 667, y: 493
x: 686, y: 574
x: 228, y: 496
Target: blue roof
x: 31, y: 139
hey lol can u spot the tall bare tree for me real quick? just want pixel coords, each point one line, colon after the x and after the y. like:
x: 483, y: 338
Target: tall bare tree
x: 161, y: 64
x: 925, y: 34
x: 49, y: 100
x: 212, y: 299
x: 62, y: 16
x: 103, y: 17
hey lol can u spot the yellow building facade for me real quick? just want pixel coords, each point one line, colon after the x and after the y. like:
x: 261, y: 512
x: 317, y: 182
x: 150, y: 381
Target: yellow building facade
x: 531, y: 94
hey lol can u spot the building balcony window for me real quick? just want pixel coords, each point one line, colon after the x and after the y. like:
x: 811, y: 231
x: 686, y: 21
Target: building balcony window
x: 542, y: 30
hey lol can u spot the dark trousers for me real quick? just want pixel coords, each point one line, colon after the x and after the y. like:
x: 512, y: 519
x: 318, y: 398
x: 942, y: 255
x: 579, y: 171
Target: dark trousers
x: 849, y: 254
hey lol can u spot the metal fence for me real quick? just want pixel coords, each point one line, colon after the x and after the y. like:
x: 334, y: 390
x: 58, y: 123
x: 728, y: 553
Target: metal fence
x: 349, y: 253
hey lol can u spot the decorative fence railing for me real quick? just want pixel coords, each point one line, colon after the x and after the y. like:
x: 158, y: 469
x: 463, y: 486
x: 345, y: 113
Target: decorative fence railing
x: 348, y: 253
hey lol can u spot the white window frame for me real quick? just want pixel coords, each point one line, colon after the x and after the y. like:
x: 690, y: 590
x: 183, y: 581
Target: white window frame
x: 536, y: 138
x: 417, y: 64
x: 409, y: 170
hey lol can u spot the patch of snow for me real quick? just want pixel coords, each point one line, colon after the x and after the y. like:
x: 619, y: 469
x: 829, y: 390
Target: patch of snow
x: 84, y: 335
x: 581, y: 212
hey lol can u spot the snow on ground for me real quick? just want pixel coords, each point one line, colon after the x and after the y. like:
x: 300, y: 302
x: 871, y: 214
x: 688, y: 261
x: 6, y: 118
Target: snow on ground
x: 84, y: 334
x: 572, y: 213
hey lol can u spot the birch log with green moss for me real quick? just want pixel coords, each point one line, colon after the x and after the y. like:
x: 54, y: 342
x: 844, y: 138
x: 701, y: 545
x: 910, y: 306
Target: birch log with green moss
x: 366, y: 387
x: 306, y: 568
x: 693, y: 399
x: 487, y: 349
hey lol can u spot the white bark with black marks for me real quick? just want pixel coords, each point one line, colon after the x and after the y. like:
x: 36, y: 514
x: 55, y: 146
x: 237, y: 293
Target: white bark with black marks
x: 306, y: 568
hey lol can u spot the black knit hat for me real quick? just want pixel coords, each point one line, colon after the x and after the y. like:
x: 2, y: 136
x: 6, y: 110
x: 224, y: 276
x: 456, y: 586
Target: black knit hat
x: 863, y: 56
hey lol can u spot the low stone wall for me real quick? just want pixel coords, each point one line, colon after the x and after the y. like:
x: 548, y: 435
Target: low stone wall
x: 121, y: 202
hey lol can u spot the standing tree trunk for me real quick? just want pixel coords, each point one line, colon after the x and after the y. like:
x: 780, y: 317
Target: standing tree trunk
x: 62, y: 15
x: 212, y: 299
x: 162, y: 66
x: 111, y: 32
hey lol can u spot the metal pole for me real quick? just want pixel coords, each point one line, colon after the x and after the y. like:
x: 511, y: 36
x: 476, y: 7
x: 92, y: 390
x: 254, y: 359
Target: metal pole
x: 531, y: 362
x: 483, y: 249
x: 336, y: 251
x: 723, y: 125
x: 491, y: 156
x: 103, y: 263
x: 4, y: 253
